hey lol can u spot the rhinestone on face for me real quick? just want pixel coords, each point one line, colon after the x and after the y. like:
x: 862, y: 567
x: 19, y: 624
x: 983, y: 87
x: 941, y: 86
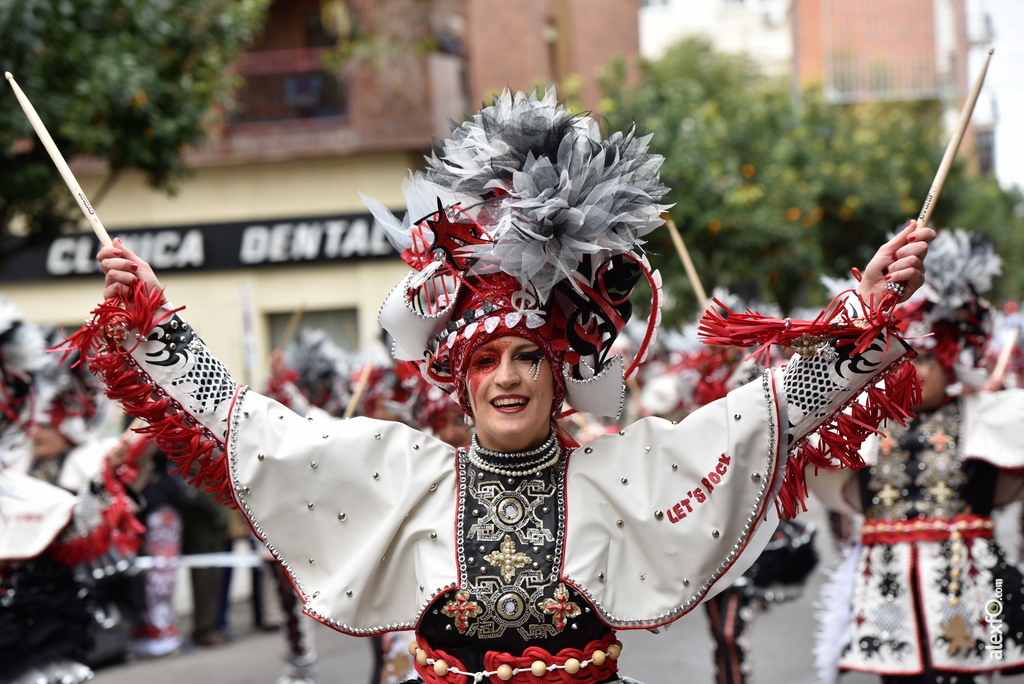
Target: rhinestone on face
x: 624, y: 481
x: 756, y: 477
x: 376, y: 475
x: 312, y: 465
x: 675, y: 466
x: 310, y: 505
x: 312, y: 561
x: 433, y: 536
x: 600, y: 577
x: 658, y: 515
x: 618, y: 523
x: 736, y: 416
x: 349, y: 593
x: 260, y: 457
x: 342, y: 517
x: 716, y: 534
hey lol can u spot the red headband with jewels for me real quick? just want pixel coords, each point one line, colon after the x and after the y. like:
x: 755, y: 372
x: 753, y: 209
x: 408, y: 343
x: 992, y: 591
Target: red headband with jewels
x: 443, y: 310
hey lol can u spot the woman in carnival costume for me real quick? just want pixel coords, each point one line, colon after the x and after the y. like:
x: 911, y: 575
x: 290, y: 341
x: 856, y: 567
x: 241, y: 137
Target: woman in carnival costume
x: 516, y: 559
x: 54, y: 545
x: 928, y: 596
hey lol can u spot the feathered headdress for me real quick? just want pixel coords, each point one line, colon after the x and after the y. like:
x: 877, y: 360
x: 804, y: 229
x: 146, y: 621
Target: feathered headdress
x: 322, y: 370
x: 22, y: 354
x: 948, y: 316
x: 70, y: 398
x: 526, y: 222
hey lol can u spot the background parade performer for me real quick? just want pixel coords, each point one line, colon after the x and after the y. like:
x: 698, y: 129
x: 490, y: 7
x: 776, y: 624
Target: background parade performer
x: 519, y: 557
x: 928, y: 584
x: 57, y: 548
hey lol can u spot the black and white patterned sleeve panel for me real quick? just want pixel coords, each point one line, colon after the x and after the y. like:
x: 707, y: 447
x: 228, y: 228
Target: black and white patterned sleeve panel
x: 178, y: 361
x: 820, y: 385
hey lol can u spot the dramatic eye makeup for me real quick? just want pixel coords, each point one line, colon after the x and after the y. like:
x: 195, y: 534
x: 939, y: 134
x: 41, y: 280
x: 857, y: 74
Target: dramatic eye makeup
x: 535, y: 357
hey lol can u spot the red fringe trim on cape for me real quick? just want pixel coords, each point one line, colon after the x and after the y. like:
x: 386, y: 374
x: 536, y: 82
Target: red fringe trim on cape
x: 841, y: 437
x: 198, y: 455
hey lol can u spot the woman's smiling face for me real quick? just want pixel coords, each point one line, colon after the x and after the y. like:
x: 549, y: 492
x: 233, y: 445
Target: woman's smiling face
x: 511, y: 389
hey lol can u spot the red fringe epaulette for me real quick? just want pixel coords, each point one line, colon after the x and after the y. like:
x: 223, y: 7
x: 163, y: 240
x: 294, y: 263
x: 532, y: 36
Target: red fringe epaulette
x: 841, y: 437
x: 752, y: 329
x: 196, y: 453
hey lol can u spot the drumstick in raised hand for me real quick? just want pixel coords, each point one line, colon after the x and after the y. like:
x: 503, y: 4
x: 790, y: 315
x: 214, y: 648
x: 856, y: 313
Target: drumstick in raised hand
x: 58, y: 160
x: 954, y: 145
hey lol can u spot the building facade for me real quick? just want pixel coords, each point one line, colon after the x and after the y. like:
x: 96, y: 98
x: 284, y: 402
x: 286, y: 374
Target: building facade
x: 272, y: 220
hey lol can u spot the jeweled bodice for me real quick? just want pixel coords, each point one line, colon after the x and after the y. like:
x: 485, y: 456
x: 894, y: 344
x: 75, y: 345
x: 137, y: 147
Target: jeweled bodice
x: 510, y: 532
x: 919, y: 473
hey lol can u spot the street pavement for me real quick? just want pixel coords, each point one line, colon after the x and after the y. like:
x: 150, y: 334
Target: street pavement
x: 782, y: 641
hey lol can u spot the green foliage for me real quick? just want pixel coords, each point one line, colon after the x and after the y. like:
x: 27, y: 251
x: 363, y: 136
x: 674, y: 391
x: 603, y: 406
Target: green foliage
x: 131, y: 82
x: 769, y: 194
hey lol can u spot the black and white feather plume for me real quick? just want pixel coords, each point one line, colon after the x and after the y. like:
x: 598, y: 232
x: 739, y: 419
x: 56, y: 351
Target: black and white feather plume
x: 960, y: 269
x: 546, y: 186
x: 68, y: 397
x: 22, y: 355
x: 323, y: 369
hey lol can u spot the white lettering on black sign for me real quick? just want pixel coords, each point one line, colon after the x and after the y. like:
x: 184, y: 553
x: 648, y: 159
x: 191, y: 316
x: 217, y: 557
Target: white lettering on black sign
x: 163, y: 249
x: 222, y: 246
x: 337, y: 239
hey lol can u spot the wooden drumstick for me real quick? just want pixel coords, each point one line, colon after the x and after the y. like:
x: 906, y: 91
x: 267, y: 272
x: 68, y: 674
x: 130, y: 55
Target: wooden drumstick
x: 951, y: 149
x: 58, y: 160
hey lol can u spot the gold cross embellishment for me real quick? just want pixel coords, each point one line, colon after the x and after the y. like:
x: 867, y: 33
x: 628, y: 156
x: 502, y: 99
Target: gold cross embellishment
x: 941, y: 493
x: 940, y: 440
x: 561, y: 607
x: 461, y: 608
x: 888, y: 495
x: 508, y: 559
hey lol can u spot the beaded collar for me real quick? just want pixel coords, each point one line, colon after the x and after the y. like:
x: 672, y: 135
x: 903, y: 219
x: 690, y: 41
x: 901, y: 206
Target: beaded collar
x: 518, y: 463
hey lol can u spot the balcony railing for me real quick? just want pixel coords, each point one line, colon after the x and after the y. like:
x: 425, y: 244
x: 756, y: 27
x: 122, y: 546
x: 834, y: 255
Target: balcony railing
x: 287, y: 85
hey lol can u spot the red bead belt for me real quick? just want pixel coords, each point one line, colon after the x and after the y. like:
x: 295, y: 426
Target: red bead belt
x: 926, y: 529
x: 595, y: 663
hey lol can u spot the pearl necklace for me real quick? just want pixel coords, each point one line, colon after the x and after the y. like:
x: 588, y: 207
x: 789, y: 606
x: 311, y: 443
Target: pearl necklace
x: 544, y: 448
x: 531, y: 469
